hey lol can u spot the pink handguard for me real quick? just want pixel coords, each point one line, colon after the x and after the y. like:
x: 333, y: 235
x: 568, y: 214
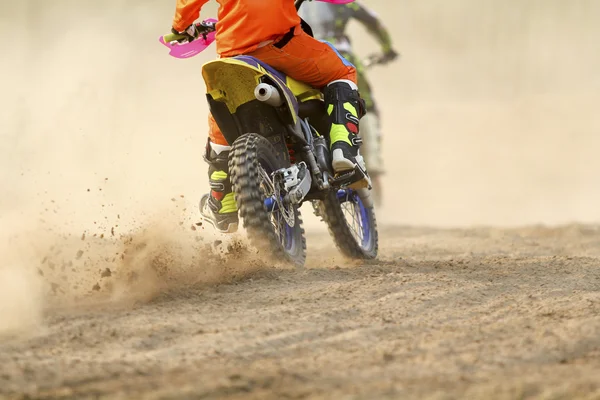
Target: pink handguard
x: 190, y: 49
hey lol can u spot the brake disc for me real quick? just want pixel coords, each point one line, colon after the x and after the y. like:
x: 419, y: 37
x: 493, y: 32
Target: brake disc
x: 274, y: 185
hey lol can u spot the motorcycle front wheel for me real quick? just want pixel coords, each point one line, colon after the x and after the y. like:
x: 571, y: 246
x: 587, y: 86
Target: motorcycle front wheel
x: 351, y: 222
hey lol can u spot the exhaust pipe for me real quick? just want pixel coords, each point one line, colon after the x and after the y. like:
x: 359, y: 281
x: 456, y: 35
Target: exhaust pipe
x: 268, y: 94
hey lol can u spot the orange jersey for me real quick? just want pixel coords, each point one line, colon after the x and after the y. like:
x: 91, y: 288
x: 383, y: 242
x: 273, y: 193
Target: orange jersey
x: 243, y: 24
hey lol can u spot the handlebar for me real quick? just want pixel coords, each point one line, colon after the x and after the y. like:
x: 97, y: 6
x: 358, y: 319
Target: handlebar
x: 372, y: 60
x: 375, y: 59
x: 173, y: 37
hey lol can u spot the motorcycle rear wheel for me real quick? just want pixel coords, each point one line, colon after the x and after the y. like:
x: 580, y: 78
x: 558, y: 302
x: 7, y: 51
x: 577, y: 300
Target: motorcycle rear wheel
x: 252, y: 161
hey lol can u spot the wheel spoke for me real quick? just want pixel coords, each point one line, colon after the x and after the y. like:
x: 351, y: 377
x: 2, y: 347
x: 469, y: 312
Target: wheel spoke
x: 352, y: 213
x: 276, y: 217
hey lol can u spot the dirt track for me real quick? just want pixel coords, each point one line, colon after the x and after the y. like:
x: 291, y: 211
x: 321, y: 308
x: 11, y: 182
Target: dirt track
x: 490, y: 118
x: 480, y: 313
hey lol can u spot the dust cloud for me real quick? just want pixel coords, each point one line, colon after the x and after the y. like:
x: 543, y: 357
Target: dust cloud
x: 489, y: 118
x: 20, y: 301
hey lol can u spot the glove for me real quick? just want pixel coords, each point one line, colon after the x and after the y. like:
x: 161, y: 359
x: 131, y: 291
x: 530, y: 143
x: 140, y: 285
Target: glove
x: 389, y: 56
x: 190, y: 34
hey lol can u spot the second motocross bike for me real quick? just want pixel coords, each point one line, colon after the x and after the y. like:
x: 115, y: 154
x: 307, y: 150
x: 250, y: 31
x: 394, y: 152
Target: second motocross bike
x: 279, y: 160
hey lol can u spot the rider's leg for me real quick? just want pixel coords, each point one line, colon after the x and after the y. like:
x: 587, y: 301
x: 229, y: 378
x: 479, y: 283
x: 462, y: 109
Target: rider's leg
x: 219, y: 207
x: 345, y: 108
x: 319, y: 64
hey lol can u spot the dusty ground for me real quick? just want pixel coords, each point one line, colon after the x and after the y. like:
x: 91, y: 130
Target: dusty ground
x: 106, y: 289
x: 465, y: 313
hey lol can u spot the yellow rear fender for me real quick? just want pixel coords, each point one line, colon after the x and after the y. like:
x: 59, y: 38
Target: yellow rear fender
x: 232, y: 81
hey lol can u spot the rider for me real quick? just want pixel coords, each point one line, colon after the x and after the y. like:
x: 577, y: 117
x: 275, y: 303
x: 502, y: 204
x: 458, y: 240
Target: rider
x: 329, y: 22
x: 270, y: 30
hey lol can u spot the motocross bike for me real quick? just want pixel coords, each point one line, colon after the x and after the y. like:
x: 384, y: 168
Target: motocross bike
x: 279, y: 159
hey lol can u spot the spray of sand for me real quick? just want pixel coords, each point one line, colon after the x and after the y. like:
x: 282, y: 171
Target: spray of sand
x: 107, y: 265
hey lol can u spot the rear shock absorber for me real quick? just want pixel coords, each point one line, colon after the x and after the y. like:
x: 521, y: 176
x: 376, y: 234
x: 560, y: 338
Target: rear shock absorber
x: 291, y: 152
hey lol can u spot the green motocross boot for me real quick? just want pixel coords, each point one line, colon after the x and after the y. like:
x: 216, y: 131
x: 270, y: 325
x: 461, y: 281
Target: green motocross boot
x: 219, y: 208
x: 345, y: 108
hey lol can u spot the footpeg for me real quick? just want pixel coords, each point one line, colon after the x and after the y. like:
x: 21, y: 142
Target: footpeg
x: 353, y: 179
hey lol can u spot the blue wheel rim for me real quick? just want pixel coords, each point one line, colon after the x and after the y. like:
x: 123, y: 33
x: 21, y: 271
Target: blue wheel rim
x: 285, y: 232
x: 366, y: 226
x: 360, y: 225
x: 289, y: 237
